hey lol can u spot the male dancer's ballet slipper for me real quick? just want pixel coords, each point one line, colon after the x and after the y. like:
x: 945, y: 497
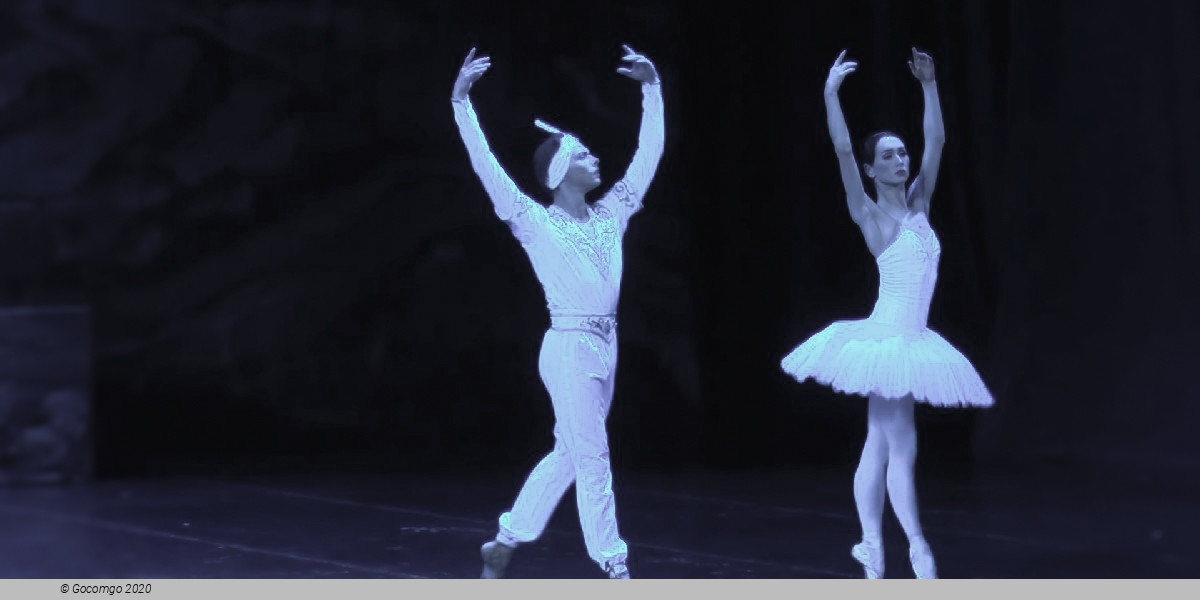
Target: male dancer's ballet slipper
x: 496, y: 557
x: 618, y: 571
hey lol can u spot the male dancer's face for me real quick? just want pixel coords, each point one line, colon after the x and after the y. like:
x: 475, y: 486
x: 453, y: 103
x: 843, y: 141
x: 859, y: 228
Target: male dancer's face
x: 584, y: 170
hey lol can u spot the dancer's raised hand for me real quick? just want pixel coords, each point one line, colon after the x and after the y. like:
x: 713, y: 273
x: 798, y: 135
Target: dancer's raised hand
x: 838, y: 72
x: 640, y: 69
x: 472, y: 69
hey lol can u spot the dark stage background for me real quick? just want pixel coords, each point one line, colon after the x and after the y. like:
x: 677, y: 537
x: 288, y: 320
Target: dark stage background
x: 291, y: 264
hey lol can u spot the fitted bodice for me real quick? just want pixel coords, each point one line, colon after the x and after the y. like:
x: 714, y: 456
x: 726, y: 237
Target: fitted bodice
x: 908, y: 275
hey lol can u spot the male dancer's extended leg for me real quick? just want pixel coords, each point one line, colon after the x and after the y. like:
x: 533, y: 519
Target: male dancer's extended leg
x: 535, y: 503
x: 582, y: 395
x: 578, y: 373
x: 539, y: 496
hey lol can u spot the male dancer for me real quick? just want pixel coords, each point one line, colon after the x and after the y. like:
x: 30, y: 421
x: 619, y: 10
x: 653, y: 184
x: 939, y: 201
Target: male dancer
x: 575, y: 250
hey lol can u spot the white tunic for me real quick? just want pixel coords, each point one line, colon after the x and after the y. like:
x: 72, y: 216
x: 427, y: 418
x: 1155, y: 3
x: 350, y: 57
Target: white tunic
x: 579, y: 264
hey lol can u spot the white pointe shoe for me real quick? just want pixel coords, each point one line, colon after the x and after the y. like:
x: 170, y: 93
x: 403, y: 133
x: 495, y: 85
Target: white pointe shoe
x: 871, y: 558
x: 922, y: 562
x: 496, y: 557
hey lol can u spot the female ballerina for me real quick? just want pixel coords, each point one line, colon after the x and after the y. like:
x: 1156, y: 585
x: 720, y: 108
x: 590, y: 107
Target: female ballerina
x: 575, y: 250
x: 891, y: 357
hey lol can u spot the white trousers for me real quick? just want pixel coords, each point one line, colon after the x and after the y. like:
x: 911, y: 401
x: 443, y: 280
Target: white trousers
x: 578, y: 367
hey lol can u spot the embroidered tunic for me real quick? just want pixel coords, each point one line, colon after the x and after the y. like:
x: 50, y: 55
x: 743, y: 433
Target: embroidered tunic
x: 579, y: 263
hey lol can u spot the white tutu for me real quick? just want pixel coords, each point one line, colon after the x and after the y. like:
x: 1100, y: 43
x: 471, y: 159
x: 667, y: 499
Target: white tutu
x: 867, y: 357
x: 892, y: 353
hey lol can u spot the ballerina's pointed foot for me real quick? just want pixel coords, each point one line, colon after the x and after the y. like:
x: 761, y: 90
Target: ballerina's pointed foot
x: 496, y: 557
x: 871, y: 558
x: 922, y: 561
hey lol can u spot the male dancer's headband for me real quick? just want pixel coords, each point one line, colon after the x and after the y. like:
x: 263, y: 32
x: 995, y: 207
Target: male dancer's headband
x: 567, y: 147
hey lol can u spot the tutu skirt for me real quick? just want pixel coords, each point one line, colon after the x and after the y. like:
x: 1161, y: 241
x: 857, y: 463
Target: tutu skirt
x: 868, y: 357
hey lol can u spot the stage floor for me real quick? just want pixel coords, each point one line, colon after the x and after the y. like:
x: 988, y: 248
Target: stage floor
x: 791, y: 524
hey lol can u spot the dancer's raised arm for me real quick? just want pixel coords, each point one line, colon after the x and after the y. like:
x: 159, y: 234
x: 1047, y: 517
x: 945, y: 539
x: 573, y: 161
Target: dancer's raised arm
x: 511, y: 204
x: 921, y: 189
x: 625, y: 198
x: 861, y: 206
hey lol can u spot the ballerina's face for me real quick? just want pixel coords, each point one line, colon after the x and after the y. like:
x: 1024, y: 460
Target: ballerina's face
x: 890, y: 166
